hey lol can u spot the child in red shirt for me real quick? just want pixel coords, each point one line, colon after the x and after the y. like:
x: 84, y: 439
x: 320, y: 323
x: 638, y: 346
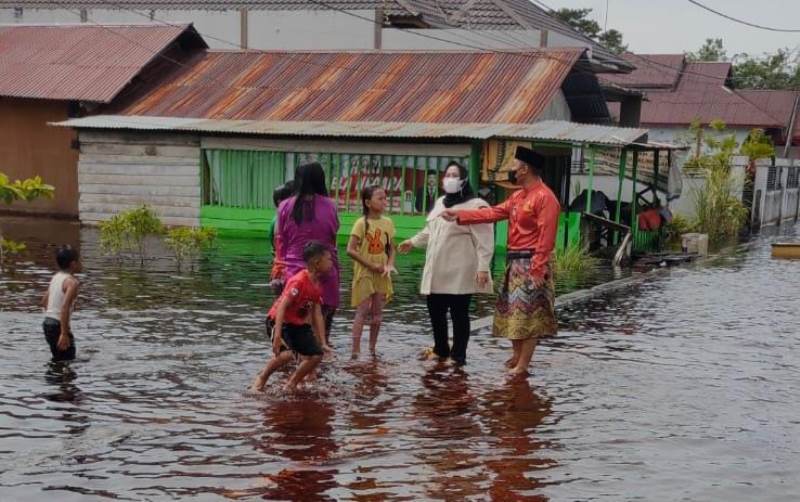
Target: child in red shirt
x: 296, y: 318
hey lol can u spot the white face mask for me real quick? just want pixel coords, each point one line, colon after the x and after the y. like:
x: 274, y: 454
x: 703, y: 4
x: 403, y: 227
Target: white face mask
x: 452, y: 185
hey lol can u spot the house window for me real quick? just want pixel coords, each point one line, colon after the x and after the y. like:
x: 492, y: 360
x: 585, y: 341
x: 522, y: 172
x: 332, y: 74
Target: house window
x: 246, y: 179
x: 412, y: 182
x: 242, y: 178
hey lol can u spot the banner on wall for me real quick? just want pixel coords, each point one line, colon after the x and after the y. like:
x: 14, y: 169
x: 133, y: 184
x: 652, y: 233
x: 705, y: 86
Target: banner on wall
x: 411, y: 182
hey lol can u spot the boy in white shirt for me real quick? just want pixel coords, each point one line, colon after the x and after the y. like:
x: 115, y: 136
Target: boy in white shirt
x: 58, y: 303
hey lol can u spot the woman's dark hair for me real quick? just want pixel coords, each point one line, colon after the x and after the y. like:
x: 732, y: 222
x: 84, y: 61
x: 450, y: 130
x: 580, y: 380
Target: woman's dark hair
x: 366, y: 194
x: 313, y: 249
x: 65, y: 255
x: 283, y: 192
x: 309, y: 179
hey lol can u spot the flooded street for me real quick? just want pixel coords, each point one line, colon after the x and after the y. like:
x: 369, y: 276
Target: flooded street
x: 684, y: 387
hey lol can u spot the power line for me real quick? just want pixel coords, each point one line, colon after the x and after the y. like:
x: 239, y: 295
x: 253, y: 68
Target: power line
x: 741, y: 21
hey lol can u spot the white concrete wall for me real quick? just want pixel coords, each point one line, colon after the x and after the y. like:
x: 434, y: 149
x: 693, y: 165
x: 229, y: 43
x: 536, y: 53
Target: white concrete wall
x: 458, y: 39
x: 681, y: 136
x: 118, y: 171
x: 312, y: 30
x: 213, y: 25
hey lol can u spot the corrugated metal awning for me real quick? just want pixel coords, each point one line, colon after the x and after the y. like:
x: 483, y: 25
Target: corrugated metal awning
x: 549, y: 130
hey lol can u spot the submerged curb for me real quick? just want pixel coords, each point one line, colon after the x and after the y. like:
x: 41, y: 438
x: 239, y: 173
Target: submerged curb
x: 582, y: 295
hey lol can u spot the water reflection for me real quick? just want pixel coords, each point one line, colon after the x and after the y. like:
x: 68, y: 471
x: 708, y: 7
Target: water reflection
x: 61, y: 377
x: 300, y: 430
x: 682, y: 387
x: 512, y: 415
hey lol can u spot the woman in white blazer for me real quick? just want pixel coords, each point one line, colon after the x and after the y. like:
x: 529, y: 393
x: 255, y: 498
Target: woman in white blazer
x: 457, y: 262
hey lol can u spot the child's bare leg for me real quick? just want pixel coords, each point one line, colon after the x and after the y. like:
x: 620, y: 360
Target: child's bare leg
x: 358, y: 324
x: 378, y: 302
x: 272, y: 365
x: 306, y: 366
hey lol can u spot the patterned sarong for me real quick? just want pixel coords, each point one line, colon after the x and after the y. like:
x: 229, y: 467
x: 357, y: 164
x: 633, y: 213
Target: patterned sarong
x: 523, y: 311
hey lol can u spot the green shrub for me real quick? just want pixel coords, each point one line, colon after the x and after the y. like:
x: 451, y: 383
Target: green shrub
x: 187, y: 243
x: 9, y: 248
x: 720, y: 214
x: 574, y: 261
x: 677, y: 227
x: 129, y: 230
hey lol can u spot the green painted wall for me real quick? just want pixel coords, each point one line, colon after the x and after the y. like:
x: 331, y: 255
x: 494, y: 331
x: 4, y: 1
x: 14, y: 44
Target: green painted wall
x: 238, y: 222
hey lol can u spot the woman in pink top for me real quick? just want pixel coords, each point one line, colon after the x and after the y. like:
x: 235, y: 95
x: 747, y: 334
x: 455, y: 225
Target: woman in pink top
x: 310, y: 215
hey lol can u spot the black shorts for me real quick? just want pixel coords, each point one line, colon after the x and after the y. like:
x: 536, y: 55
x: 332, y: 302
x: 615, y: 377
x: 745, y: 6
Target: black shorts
x: 297, y: 338
x: 52, y: 331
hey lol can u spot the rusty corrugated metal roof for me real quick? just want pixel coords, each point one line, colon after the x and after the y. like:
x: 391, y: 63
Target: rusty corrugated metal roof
x: 79, y: 62
x: 443, y: 86
x: 547, y: 130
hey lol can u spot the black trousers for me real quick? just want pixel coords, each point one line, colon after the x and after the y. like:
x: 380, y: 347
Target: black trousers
x: 458, y: 306
x: 52, y: 331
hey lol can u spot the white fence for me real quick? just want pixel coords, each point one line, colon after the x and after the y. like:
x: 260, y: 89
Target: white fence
x: 776, y: 192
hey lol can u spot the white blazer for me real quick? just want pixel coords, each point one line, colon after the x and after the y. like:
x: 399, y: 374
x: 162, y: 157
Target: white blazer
x: 455, y: 253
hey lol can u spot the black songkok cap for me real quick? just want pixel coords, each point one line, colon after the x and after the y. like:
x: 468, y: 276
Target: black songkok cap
x: 529, y: 157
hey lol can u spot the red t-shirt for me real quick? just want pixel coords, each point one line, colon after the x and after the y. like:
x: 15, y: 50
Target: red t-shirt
x: 303, y: 294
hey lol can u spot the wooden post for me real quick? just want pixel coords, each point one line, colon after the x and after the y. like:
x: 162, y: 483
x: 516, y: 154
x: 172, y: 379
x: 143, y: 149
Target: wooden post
x: 377, y: 41
x: 589, y: 190
x: 635, y: 199
x: 623, y: 160
x: 243, y: 29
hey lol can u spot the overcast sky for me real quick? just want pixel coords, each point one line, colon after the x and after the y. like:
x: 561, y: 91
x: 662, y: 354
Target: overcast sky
x: 664, y: 26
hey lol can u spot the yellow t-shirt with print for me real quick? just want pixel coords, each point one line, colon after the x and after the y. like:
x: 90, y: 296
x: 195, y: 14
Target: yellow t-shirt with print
x: 374, y: 236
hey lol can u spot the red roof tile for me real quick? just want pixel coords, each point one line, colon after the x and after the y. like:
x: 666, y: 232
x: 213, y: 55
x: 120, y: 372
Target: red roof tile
x: 678, y: 92
x: 652, y: 70
x: 79, y: 62
x: 778, y: 104
x: 433, y: 87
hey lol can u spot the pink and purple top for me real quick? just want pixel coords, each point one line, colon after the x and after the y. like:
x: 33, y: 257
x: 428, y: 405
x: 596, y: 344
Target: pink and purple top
x: 322, y: 227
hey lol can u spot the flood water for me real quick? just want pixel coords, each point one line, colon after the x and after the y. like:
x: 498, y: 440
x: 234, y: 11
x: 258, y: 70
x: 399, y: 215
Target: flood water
x: 685, y: 387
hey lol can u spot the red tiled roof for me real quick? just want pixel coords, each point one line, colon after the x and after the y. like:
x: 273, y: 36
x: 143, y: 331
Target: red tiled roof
x: 701, y: 93
x: 778, y: 104
x: 432, y: 87
x: 678, y: 92
x: 79, y: 62
x: 652, y: 71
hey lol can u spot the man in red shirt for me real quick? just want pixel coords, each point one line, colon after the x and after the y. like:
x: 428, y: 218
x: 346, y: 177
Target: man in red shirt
x: 295, y: 320
x: 525, y: 304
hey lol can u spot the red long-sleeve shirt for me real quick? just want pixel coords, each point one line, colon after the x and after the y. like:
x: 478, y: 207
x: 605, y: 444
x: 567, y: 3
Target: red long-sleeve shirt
x: 532, y: 215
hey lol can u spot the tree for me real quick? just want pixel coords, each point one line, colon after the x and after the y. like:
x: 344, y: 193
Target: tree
x: 612, y: 40
x: 711, y: 51
x: 579, y: 20
x: 770, y: 71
